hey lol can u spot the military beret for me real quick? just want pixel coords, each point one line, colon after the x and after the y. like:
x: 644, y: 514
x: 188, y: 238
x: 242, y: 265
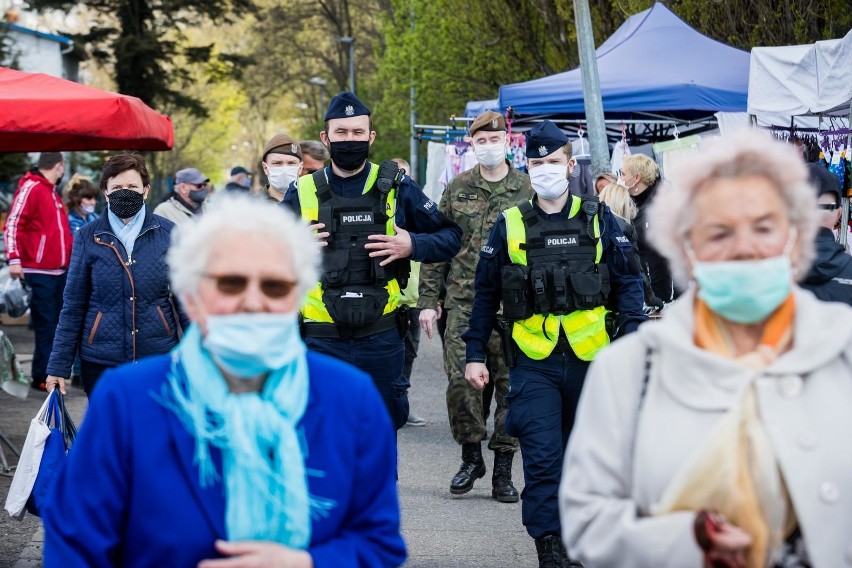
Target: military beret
x: 544, y: 139
x: 344, y: 105
x: 488, y: 120
x: 282, y: 144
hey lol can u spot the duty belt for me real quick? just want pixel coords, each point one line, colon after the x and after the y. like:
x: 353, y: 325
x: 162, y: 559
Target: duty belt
x: 319, y: 330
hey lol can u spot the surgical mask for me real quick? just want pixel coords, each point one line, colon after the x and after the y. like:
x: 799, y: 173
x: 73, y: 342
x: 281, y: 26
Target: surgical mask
x: 247, y: 345
x: 744, y: 291
x: 281, y: 177
x: 125, y: 203
x: 87, y: 209
x: 549, y: 181
x: 490, y: 155
x: 198, y: 195
x: 349, y: 155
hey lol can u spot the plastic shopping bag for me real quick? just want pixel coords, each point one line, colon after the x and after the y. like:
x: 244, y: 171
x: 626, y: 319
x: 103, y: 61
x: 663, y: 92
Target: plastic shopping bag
x: 51, y: 434
x: 14, y: 295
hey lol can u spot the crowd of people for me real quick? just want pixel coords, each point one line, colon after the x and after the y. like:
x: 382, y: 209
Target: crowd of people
x: 273, y: 335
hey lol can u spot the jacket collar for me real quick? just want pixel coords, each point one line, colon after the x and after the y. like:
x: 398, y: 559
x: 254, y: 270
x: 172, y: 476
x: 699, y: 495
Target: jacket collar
x: 102, y: 223
x: 511, y: 183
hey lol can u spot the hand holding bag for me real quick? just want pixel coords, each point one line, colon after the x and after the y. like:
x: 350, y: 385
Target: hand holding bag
x: 62, y: 433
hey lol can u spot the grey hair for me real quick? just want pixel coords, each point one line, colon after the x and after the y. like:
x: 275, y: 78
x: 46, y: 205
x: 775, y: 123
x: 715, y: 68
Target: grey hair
x: 744, y: 153
x: 315, y: 149
x: 230, y: 216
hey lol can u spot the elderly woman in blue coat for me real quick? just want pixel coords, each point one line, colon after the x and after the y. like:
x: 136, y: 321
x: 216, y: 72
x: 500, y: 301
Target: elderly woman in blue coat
x: 240, y: 447
x: 117, y: 305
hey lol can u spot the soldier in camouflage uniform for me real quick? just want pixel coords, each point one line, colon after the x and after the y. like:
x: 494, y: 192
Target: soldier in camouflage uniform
x: 474, y: 199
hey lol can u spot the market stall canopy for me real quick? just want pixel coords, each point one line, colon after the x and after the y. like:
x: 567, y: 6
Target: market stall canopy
x: 475, y: 108
x: 42, y: 113
x: 654, y: 62
x: 801, y: 80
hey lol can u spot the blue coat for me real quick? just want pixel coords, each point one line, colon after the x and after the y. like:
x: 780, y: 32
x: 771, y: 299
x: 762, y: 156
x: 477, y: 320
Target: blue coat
x: 129, y: 493
x: 113, y: 311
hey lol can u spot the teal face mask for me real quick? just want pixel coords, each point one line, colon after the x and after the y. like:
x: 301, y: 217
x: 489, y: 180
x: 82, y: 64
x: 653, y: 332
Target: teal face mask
x: 744, y: 291
x: 247, y: 345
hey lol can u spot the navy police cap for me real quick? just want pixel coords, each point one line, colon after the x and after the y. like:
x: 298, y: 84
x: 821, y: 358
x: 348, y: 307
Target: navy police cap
x: 344, y: 105
x: 544, y: 139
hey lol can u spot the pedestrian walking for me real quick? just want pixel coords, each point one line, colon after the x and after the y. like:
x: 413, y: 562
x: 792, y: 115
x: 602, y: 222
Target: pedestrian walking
x: 118, y: 306
x: 81, y: 197
x: 38, y: 249
x: 241, y: 447
x: 559, y: 263
x: 190, y: 192
x: 718, y: 435
x: 239, y: 181
x: 282, y: 164
x: 474, y: 199
x: 372, y: 221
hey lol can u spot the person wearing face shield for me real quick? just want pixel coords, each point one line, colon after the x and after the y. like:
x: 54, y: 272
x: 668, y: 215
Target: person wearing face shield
x: 282, y: 163
x: 187, y: 200
x: 473, y: 199
x: 372, y: 221
x: 560, y: 264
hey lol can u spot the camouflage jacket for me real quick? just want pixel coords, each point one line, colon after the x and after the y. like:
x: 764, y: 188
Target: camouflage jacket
x: 469, y: 201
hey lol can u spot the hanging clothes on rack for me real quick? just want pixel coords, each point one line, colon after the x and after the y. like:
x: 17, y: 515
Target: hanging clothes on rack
x: 620, y: 151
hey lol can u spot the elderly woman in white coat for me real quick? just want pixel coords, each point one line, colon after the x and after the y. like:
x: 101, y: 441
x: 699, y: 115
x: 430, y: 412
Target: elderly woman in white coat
x: 720, y: 436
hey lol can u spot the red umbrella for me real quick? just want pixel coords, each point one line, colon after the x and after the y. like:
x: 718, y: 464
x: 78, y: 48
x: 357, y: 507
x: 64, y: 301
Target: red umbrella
x: 42, y: 113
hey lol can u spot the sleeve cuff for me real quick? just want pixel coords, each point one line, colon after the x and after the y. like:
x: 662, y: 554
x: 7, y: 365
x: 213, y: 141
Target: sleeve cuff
x: 12, y: 261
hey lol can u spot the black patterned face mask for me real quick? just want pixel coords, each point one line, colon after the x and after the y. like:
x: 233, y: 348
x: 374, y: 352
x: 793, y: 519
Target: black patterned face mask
x: 125, y: 203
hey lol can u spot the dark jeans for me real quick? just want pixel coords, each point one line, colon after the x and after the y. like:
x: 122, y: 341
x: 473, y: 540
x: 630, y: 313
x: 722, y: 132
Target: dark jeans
x: 90, y: 373
x: 45, y: 305
x: 542, y: 403
x: 382, y: 356
x: 412, y: 341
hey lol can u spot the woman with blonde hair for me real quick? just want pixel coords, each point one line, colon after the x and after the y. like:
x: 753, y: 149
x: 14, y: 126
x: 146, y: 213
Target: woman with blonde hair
x: 719, y: 435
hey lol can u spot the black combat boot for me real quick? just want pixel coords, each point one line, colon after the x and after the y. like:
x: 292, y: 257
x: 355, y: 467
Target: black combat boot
x: 550, y: 551
x: 501, y: 478
x: 472, y: 468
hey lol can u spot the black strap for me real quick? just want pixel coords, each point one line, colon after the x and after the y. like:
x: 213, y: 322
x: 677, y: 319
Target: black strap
x: 320, y: 330
x: 528, y: 213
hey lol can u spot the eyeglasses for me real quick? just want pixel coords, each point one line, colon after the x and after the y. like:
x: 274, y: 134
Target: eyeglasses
x: 236, y: 284
x: 828, y: 206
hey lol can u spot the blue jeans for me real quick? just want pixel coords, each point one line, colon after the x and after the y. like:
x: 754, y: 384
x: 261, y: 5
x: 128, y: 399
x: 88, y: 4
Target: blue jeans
x: 45, y: 305
x: 380, y: 355
x: 542, y: 403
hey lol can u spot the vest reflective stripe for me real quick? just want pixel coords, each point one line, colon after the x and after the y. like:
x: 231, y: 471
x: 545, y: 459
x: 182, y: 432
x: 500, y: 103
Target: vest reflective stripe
x: 537, y: 335
x: 314, y: 308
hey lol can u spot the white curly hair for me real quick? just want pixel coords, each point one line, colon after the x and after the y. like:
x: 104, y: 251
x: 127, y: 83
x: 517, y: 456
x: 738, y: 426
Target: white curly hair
x: 232, y: 216
x: 745, y: 153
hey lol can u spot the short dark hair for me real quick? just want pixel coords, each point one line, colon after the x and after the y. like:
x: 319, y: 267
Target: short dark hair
x: 48, y: 160
x: 315, y: 149
x: 122, y: 163
x: 77, y: 190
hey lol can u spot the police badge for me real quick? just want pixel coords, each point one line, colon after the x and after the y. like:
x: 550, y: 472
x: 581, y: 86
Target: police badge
x: 542, y: 151
x: 349, y: 110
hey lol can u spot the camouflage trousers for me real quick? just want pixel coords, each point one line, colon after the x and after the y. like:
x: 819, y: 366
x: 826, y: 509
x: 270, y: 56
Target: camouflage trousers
x: 464, y: 403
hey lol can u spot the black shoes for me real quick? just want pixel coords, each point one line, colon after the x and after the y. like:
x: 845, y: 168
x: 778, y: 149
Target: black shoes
x: 551, y: 553
x: 472, y: 468
x: 501, y: 478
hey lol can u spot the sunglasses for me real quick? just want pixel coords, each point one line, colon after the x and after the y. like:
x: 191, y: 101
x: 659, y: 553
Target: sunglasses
x: 828, y: 206
x: 235, y: 284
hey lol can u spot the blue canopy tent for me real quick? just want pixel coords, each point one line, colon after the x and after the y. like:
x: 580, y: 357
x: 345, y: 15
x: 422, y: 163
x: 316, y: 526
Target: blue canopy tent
x: 474, y: 108
x: 653, y: 66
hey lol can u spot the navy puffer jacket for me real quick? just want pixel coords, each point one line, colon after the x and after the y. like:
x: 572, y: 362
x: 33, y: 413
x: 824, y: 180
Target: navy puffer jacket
x: 116, y: 310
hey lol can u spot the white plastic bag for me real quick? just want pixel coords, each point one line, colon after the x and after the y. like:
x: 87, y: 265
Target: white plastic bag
x: 28, y: 464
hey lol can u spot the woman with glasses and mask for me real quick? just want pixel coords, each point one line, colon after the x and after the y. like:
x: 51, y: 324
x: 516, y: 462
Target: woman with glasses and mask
x: 240, y: 447
x: 117, y: 305
x: 719, y: 435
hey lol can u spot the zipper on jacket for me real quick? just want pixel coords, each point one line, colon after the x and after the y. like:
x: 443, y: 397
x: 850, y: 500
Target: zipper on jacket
x: 95, y: 327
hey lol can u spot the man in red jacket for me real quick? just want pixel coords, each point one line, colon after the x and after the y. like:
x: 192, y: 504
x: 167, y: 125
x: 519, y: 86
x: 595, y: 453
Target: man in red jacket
x: 38, y: 245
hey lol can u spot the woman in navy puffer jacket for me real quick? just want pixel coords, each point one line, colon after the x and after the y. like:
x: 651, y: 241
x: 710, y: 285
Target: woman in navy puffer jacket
x: 117, y: 305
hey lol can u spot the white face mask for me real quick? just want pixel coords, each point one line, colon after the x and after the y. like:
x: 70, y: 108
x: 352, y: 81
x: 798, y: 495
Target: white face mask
x: 88, y: 209
x: 490, y: 155
x: 549, y: 181
x: 280, y: 177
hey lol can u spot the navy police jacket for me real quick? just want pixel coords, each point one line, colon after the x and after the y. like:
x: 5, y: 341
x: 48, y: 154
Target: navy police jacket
x: 116, y: 309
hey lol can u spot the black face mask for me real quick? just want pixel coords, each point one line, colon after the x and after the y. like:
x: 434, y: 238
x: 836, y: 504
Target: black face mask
x: 350, y: 154
x: 197, y: 195
x: 125, y: 203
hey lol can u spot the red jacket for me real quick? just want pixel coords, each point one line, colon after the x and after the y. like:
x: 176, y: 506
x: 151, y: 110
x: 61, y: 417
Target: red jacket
x: 37, y: 233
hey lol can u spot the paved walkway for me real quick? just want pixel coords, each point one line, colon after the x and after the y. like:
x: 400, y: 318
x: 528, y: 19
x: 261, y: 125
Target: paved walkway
x: 442, y: 530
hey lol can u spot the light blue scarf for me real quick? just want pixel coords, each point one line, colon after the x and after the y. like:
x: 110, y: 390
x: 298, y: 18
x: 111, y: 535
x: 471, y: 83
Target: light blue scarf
x: 265, y: 483
x: 127, y: 233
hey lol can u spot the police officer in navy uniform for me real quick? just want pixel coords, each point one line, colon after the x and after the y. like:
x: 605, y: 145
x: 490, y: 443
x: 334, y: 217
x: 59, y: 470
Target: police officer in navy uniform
x: 559, y: 264
x: 372, y: 220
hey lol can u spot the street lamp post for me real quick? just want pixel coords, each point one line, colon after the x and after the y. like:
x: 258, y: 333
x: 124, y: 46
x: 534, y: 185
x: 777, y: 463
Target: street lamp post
x: 598, y: 146
x: 350, y: 41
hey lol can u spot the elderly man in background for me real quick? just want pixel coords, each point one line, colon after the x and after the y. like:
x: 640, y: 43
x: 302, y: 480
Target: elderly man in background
x: 314, y: 156
x: 240, y: 180
x: 188, y: 196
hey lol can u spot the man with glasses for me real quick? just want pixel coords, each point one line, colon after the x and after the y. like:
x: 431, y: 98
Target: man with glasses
x: 188, y: 196
x: 830, y: 276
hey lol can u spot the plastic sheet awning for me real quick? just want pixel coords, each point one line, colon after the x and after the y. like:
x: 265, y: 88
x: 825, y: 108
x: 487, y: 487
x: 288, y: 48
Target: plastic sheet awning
x: 474, y: 108
x: 42, y: 113
x: 654, y: 62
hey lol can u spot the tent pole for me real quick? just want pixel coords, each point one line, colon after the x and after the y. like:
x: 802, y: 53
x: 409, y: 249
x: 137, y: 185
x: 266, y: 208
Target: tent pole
x: 592, y: 97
